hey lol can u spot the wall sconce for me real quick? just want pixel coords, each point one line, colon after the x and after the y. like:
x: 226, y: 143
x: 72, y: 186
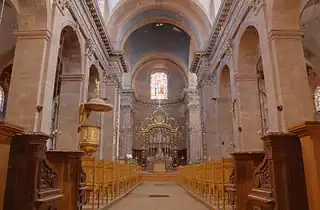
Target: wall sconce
x: 280, y: 108
x: 39, y: 108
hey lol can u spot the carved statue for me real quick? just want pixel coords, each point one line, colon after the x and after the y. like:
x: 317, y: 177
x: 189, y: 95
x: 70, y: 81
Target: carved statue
x: 97, y: 90
x: 159, y: 153
x: 84, y: 115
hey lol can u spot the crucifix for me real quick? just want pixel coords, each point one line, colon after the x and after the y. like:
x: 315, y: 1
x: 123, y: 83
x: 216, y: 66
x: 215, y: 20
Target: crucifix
x: 159, y: 103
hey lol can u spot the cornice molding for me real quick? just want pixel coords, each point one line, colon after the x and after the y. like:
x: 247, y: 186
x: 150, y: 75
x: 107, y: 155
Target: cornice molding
x: 95, y: 13
x: 218, y: 27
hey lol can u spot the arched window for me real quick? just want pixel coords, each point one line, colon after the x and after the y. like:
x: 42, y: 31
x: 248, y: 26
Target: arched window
x: 2, y: 99
x: 317, y: 98
x: 159, y: 85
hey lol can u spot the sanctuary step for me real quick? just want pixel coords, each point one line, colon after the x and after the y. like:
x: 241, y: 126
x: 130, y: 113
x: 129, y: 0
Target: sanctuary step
x: 154, y: 177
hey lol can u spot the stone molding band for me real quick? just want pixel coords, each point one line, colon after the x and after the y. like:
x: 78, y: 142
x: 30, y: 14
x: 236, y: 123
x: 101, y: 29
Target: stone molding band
x: 72, y: 77
x: 284, y: 34
x: 33, y: 34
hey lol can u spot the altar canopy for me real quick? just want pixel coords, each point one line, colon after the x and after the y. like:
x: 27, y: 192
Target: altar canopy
x: 160, y: 134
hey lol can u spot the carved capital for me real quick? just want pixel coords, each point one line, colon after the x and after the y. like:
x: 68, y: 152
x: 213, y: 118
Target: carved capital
x: 89, y: 48
x: 228, y: 48
x: 126, y: 98
x: 63, y: 4
x: 207, y: 80
x: 256, y: 5
x: 111, y: 79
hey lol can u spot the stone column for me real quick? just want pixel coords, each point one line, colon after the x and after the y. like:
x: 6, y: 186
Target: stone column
x: 309, y: 133
x: 209, y: 118
x: 126, y: 122
x: 248, y: 113
x: 111, y: 119
x: 27, y: 79
x: 294, y: 104
x: 7, y: 131
x: 68, y: 121
x: 225, y: 126
x: 195, y: 131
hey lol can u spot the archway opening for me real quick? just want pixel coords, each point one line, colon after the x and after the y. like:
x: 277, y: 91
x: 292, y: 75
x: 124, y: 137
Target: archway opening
x: 252, y: 99
x: 67, y: 92
x: 225, y: 114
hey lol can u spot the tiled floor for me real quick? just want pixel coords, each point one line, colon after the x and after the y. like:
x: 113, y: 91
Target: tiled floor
x: 139, y: 199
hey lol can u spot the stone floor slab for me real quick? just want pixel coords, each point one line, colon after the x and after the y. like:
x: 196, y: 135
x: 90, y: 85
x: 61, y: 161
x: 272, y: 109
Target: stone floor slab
x: 158, y: 196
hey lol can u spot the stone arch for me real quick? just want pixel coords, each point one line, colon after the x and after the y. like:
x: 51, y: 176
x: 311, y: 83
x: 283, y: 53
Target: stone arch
x: 93, y: 76
x: 187, y: 9
x: 224, y: 83
x: 225, y: 113
x: 71, y: 52
x: 248, y: 51
x: 94, y: 118
x: 176, y: 79
x: 247, y: 105
x: 68, y: 90
x: 154, y: 57
x: 159, y: 55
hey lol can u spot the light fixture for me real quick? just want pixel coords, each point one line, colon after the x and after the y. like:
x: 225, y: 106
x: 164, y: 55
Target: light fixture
x: 159, y: 24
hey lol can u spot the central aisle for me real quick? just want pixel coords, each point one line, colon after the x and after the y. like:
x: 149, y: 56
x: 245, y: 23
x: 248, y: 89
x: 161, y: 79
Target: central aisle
x: 158, y: 196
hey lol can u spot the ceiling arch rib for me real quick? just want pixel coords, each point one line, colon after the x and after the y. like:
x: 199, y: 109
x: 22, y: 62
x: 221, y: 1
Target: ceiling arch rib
x: 203, y: 4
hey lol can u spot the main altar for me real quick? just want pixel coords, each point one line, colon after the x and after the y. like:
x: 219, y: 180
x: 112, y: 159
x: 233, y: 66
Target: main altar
x: 160, y: 133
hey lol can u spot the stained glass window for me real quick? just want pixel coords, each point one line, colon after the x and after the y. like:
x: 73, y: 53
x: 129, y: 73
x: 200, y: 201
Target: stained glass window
x: 2, y: 98
x: 159, y: 85
x: 317, y: 98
